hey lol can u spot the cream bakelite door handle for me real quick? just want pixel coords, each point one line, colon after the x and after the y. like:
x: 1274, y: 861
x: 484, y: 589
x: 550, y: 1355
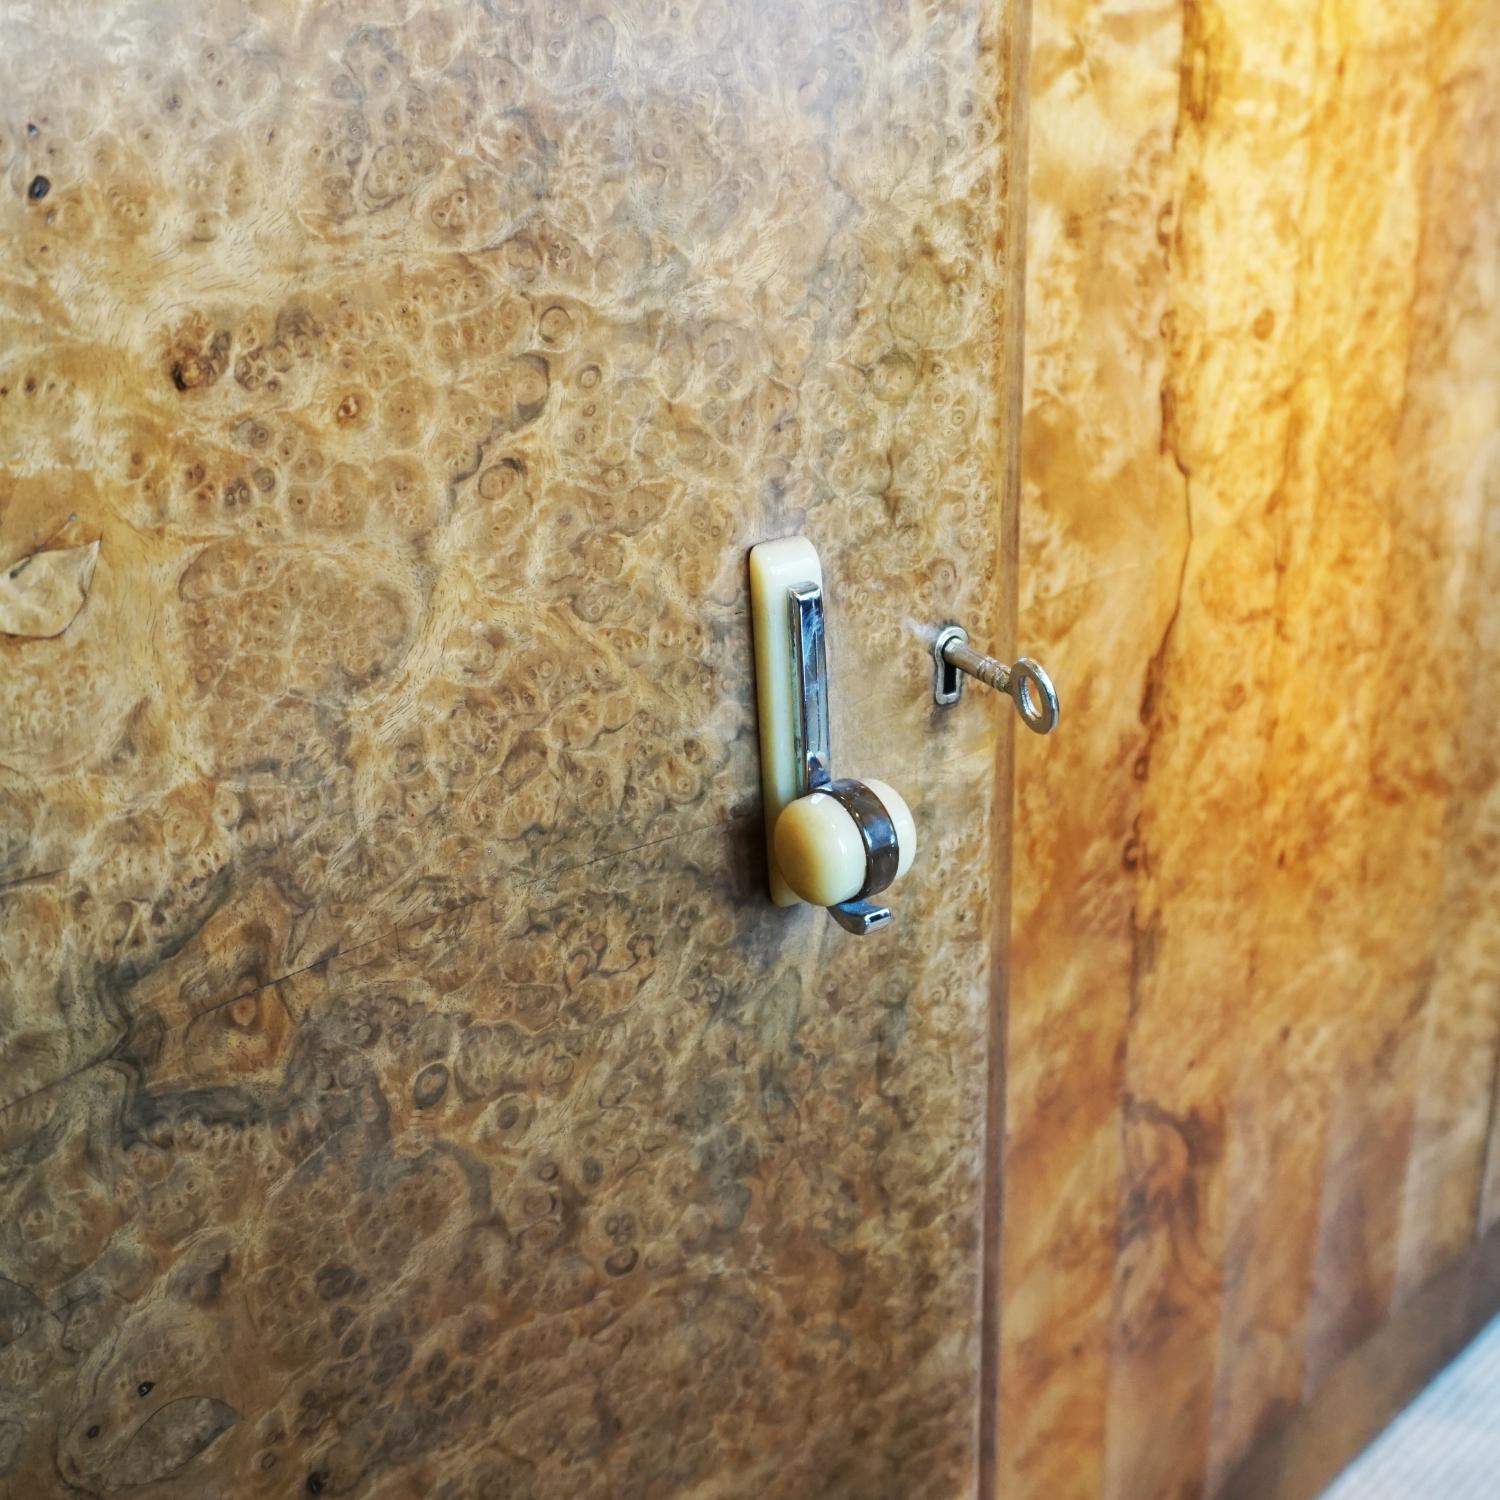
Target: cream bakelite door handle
x: 831, y: 843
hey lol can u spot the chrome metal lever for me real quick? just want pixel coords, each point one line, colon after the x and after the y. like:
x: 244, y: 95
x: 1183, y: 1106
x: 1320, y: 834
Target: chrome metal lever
x: 809, y: 687
x: 1025, y: 683
x: 813, y: 738
x: 861, y: 917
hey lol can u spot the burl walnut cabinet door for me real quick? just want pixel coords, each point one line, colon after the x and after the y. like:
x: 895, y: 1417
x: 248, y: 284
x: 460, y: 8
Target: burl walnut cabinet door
x: 407, y: 1087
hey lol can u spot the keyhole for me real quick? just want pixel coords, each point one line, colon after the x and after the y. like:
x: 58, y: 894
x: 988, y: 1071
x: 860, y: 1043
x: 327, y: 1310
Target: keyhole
x: 947, y: 680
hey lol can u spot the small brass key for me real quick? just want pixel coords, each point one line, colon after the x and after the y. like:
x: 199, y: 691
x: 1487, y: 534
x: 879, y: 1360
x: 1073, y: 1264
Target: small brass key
x: 1026, y: 683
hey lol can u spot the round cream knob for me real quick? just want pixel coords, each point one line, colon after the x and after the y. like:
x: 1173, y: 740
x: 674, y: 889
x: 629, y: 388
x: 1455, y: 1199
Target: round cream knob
x: 819, y: 850
x: 821, y: 853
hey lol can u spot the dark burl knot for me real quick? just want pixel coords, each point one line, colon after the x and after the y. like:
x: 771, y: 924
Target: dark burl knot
x: 39, y: 188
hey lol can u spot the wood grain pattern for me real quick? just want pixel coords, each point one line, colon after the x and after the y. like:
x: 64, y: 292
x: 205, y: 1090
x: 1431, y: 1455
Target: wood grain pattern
x: 1256, y: 991
x: 609, y: 1187
x: 404, y: 1087
x: 1370, y: 1385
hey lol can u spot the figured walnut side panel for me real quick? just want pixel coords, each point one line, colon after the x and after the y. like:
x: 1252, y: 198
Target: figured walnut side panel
x: 1257, y: 990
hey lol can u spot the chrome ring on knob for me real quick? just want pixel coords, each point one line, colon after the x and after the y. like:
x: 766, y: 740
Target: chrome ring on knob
x: 876, y: 831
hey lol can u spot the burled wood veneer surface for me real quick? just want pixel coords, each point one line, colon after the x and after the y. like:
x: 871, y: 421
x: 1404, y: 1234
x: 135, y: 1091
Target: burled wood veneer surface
x: 1257, y: 874
x: 407, y: 1088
